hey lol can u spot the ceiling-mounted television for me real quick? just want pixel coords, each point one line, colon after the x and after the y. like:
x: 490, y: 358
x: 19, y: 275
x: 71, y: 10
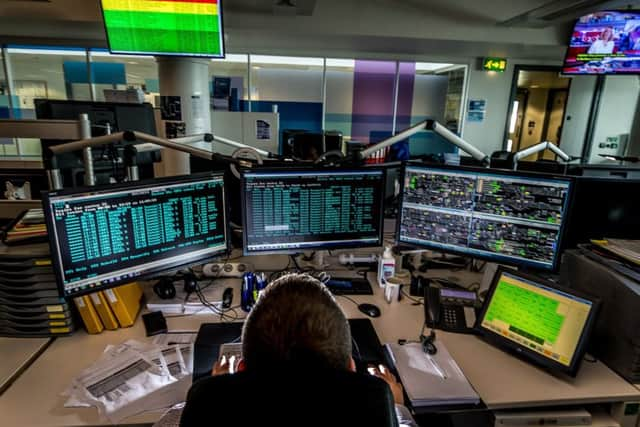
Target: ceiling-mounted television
x: 606, y: 42
x: 166, y: 27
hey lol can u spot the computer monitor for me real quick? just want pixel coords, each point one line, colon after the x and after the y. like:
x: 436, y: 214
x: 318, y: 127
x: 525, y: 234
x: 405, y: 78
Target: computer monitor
x: 506, y: 217
x: 289, y: 211
x: 106, y: 236
x: 603, y: 208
x: 543, y: 322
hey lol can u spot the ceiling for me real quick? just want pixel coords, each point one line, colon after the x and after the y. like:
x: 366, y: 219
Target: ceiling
x: 434, y: 30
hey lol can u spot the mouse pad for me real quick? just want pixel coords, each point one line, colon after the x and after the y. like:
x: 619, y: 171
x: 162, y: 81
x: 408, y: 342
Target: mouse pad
x: 366, y: 347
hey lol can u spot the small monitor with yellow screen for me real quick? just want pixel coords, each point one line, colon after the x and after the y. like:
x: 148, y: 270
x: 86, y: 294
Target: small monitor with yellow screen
x: 545, y: 323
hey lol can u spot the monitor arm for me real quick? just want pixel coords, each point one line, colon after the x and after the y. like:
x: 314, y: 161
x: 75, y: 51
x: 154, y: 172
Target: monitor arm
x: 538, y: 148
x: 178, y: 144
x: 433, y: 126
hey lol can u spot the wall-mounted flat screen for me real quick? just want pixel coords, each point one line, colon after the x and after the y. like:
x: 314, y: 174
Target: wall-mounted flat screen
x: 606, y: 42
x: 165, y: 27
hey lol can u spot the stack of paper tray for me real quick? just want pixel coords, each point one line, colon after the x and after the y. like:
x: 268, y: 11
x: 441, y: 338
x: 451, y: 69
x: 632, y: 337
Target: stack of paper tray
x: 30, y: 302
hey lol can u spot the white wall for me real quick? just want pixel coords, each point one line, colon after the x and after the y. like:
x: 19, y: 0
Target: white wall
x: 279, y: 84
x: 495, y: 88
x: 617, y: 111
x: 576, y: 117
x: 339, y: 92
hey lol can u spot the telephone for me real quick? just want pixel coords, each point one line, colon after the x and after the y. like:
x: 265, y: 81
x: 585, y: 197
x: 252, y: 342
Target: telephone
x: 450, y: 309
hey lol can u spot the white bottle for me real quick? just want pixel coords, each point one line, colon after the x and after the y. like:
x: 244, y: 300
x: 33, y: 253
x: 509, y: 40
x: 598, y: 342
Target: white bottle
x: 386, y: 266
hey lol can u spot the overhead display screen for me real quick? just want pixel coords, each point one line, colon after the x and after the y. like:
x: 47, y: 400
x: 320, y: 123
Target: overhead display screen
x: 606, y: 42
x: 167, y: 27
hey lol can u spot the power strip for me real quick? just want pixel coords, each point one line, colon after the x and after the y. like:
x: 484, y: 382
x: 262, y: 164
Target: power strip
x: 230, y: 269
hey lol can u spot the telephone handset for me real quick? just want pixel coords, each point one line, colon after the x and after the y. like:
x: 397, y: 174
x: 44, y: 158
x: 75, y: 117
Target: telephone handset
x: 450, y: 310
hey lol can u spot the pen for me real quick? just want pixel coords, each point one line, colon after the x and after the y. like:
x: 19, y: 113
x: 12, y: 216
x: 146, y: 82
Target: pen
x: 438, y: 369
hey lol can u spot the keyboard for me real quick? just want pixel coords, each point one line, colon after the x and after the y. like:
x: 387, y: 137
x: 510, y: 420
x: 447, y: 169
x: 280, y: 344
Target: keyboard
x: 349, y: 286
x: 231, y: 349
x: 233, y: 353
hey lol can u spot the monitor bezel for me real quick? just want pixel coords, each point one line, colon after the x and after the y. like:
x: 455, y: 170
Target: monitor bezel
x: 53, y: 241
x: 222, y: 55
x: 488, y: 256
x: 336, y: 246
x: 566, y: 54
x: 499, y: 341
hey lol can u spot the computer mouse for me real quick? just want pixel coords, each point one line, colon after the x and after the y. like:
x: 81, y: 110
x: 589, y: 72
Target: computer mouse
x: 369, y: 309
x: 227, y: 298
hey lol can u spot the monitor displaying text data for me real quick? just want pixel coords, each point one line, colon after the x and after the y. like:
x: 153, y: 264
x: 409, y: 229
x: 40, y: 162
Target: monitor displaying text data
x: 106, y: 236
x: 292, y: 211
x: 164, y: 27
x: 513, y: 218
x: 546, y: 323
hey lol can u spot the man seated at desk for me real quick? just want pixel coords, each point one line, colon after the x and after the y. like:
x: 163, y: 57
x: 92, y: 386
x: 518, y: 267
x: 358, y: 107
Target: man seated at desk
x: 296, y: 329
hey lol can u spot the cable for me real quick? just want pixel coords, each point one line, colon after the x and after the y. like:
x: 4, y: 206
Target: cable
x: 409, y: 297
x: 295, y: 262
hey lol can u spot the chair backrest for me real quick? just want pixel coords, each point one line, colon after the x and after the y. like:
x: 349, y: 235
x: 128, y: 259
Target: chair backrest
x: 290, y: 397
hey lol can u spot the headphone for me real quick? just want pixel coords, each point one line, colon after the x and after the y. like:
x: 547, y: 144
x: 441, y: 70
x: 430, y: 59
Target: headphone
x: 165, y: 288
x: 428, y: 343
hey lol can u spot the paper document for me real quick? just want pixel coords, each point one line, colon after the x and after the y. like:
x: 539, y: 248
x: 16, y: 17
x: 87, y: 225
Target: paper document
x: 134, y: 377
x: 431, y: 380
x: 183, y: 305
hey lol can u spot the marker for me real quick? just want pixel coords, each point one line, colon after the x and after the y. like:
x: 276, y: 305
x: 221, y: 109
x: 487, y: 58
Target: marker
x: 437, y: 368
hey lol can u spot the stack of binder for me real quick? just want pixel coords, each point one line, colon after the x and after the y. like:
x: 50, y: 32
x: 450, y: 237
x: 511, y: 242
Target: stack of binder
x: 30, y: 302
x: 110, y: 309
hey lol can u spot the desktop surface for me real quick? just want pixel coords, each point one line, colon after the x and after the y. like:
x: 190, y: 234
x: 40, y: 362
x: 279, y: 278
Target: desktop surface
x: 505, y: 382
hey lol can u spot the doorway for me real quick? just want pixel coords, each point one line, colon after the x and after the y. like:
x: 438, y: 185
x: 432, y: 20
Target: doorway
x: 537, y: 108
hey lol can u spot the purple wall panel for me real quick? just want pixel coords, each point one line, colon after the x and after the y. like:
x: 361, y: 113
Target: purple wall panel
x: 373, y: 83
x: 373, y: 91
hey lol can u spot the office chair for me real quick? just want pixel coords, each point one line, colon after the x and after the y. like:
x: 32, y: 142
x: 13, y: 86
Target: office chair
x: 290, y: 397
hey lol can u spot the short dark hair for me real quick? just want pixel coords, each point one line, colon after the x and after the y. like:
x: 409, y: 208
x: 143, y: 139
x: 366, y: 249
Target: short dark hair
x: 296, y: 321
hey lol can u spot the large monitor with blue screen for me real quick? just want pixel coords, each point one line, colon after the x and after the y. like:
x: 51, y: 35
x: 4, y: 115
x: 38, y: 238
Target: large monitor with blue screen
x: 605, y: 42
x: 111, y: 235
x: 290, y: 211
x: 506, y: 217
x: 547, y: 324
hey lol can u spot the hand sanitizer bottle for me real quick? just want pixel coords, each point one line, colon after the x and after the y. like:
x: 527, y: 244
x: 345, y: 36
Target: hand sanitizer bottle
x: 386, y: 266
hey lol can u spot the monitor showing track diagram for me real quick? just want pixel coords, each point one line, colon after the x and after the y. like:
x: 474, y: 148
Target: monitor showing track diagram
x: 512, y: 218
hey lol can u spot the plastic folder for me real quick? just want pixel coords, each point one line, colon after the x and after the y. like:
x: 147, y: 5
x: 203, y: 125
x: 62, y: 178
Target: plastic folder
x: 104, y: 311
x: 90, y: 317
x: 125, y: 303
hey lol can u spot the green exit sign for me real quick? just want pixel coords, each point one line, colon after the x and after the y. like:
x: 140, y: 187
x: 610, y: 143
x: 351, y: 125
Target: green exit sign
x: 495, y: 64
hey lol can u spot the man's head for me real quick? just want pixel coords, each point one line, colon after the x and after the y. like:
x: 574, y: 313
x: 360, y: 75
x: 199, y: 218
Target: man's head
x: 296, y: 320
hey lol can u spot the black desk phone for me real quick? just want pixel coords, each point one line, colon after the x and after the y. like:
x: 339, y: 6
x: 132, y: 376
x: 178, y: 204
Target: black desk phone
x: 451, y: 310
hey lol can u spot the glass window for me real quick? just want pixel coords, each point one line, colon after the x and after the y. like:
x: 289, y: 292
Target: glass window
x: 373, y: 102
x: 437, y: 95
x: 292, y: 84
x: 112, y: 74
x: 339, y: 97
x: 7, y: 145
x: 49, y: 73
x: 229, y: 83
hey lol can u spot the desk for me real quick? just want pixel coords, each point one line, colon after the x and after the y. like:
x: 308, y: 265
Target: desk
x: 15, y: 355
x: 501, y: 380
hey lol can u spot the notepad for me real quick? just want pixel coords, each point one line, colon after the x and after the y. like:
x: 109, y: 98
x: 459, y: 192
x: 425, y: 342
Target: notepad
x: 431, y: 380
